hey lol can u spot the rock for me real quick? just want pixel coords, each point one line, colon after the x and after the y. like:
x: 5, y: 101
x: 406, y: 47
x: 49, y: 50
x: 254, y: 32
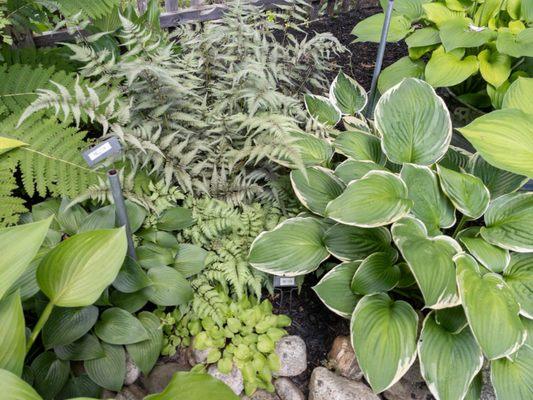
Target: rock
x: 263, y: 395
x: 181, y: 357
x: 487, y: 391
x: 287, y: 390
x: 132, y: 392
x: 411, y: 386
x: 160, y: 376
x: 196, y: 356
x: 107, y: 394
x: 326, y: 385
x: 292, y: 353
x: 132, y: 371
x: 342, y: 358
x: 234, y: 379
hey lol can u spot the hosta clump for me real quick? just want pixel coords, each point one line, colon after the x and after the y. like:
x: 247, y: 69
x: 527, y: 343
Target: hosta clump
x: 421, y: 230
x: 246, y: 338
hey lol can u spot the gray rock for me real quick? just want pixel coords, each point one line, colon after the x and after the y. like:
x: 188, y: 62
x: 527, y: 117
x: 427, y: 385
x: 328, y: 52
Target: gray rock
x: 132, y: 371
x: 411, y: 386
x: 342, y: 358
x: 196, y: 356
x: 234, y: 379
x: 326, y: 385
x: 132, y: 392
x: 292, y: 353
x: 287, y: 390
x: 160, y: 376
x: 107, y: 394
x: 263, y: 395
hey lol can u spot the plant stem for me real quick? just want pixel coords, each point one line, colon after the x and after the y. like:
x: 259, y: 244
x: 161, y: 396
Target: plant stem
x: 460, y: 226
x: 40, y: 323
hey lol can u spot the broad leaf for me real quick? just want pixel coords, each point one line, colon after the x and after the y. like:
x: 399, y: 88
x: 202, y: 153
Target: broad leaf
x: 131, y: 277
x: 369, y: 29
x: 66, y: 325
x: 405, y: 67
x: 12, y: 335
x: 490, y: 256
x: 136, y: 215
x: 14, y: 388
x: 451, y: 319
x: 519, y: 278
x: 423, y: 37
x: 50, y: 374
x: 359, y: 145
x: 312, y: 150
x: 103, y: 218
x: 131, y: 302
x: 7, y: 144
x: 347, y: 95
x: 350, y: 243
x: 460, y: 33
x: 86, y: 348
x: 70, y: 217
x: 321, y: 109
x: 495, y: 67
x: 175, y: 219
x: 168, y: 288
x: 439, y: 13
x: 80, y: 388
x: 377, y: 273
x: 151, y: 255
x: 519, y: 45
x: 117, y: 326
x: 519, y: 95
x: 146, y: 353
x: 190, y: 260
x: 109, y: 371
x: 456, y: 159
x: 448, y: 69
x: 350, y: 170
x: 383, y: 334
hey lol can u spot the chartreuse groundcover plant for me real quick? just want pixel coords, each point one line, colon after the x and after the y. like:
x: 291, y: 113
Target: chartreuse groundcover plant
x: 424, y: 233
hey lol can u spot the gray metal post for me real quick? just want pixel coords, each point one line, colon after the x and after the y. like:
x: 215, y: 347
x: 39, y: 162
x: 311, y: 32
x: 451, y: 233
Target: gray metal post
x: 379, y: 60
x: 120, y: 208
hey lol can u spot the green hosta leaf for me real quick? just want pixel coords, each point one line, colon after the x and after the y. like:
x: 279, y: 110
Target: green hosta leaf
x: 103, y: 218
x: 109, y: 371
x: 384, y: 339
x: 491, y: 257
x: 146, y: 353
x: 519, y: 95
x: 498, y: 181
x: 467, y: 192
x: 349, y: 243
x: 312, y: 150
x: 66, y: 325
x: 491, y: 309
x: 160, y: 238
x: 396, y: 72
x: 190, y: 260
x: 460, y: 33
x: 19, y: 246
x: 27, y: 284
x: 168, y: 288
x: 430, y: 260
x: 447, y: 357
x: 12, y: 335
x: 136, y: 215
x: 86, y: 348
x: 347, y: 95
x: 520, y: 45
x: 350, y: 170
x: 423, y: 37
x: 70, y: 218
x: 14, y: 388
x: 406, y: 276
x: 429, y: 203
x: 316, y: 187
x: 451, y: 319
x: 377, y: 273
x: 151, y: 255
x: 334, y: 289
x: 459, y: 5
x: 527, y: 11
x: 194, y: 386
x: 509, y: 222
x: 360, y: 146
x: 377, y: 199
x: 131, y: 277
x: 80, y: 388
x: 448, y: 69
x: 369, y: 29
x: 131, y: 302
x: 439, y: 13
x: 175, y: 219
x: 76, y: 272
x: 519, y: 278
x: 321, y: 109
x: 495, y: 67
x: 456, y: 159
x: 410, y: 8
x: 414, y: 123
x: 299, y: 248
x: 117, y: 326
x: 50, y: 374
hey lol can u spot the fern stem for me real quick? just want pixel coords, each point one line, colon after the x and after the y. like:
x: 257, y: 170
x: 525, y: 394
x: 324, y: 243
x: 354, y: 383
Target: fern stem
x: 61, y: 160
x: 40, y: 323
x: 17, y: 94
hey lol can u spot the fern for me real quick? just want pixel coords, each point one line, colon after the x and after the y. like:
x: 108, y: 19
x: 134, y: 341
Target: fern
x: 11, y: 206
x: 89, y: 8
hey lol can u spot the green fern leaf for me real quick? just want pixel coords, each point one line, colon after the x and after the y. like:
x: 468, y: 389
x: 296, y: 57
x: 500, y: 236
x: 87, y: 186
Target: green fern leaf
x: 89, y: 8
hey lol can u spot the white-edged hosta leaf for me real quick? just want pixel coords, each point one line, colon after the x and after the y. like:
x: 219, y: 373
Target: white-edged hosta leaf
x: 347, y: 95
x: 190, y: 259
x: 414, y: 123
x: 519, y: 277
x: 359, y: 145
x: 12, y: 334
x: 456, y: 159
x: 168, y: 288
x: 321, y: 109
x: 406, y: 276
x: 519, y: 45
x: 76, y: 272
x: 377, y: 199
x: 65, y: 325
x: 447, y: 69
x: 348, y: 243
x: 491, y: 257
x: 405, y: 67
x: 430, y: 260
x: 369, y: 29
x: 108, y: 371
x: 298, y: 244
x: 509, y: 222
x: 461, y: 33
x: 490, y: 307
x: 146, y: 353
x: 383, y: 334
x: 447, y: 357
x: 451, y: 319
x: 117, y: 326
x: 430, y: 205
x: 50, y: 374
x: 334, y: 289
x: 519, y: 95
x: 350, y: 170
x: 494, y: 66
x: 316, y: 187
x: 474, y: 392
x: 131, y: 277
x: 14, y: 388
x: 87, y: 347
x: 467, y: 192
x: 377, y: 273
x: 312, y: 150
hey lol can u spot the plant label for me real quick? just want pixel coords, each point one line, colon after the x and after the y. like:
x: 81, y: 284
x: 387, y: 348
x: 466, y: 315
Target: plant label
x: 283, y: 282
x: 101, y: 151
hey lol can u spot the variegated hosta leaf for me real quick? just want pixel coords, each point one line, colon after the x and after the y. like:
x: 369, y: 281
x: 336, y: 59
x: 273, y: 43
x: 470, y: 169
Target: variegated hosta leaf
x: 474, y: 392
x: 13, y: 335
x: 452, y: 319
x: 359, y: 145
x: 490, y: 256
x: 448, y: 361
x: 430, y: 260
x: 15, y: 388
x: 312, y: 150
x: 347, y: 95
x: 321, y: 109
x: 350, y: 170
x: 519, y: 95
x: 383, y: 334
x: 377, y: 199
x: 294, y: 247
x: 509, y: 222
x: 414, y: 123
x: 348, y: 243
x: 519, y: 277
x: 456, y: 159
x: 316, y: 188
x: 334, y: 289
x: 430, y: 205
x: 492, y: 311
x: 377, y: 273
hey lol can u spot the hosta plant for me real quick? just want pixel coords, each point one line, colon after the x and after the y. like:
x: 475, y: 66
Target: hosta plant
x: 434, y: 245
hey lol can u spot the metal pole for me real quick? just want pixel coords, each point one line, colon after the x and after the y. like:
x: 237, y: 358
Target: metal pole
x: 379, y: 60
x: 120, y: 208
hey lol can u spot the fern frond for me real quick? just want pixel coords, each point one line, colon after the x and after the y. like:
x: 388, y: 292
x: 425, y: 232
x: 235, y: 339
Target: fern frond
x: 10, y: 206
x: 90, y: 8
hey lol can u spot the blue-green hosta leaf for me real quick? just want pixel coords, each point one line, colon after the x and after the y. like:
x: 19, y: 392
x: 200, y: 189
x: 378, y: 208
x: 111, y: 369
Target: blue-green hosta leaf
x: 76, y: 272
x: 14, y: 388
x: 151, y: 255
x: 377, y: 199
x: 369, y: 29
x: 19, y: 246
x: 175, y: 219
x: 86, y: 348
x: 299, y: 248
x: 70, y: 217
x: 359, y: 145
x: 490, y: 308
x: 414, y: 123
x: 321, y: 109
x: 527, y: 11
x: 312, y: 150
x: 439, y: 13
x: 519, y: 95
x: 66, y: 325
x: 103, y: 218
x: 519, y: 277
x: 509, y: 222
x: 430, y: 260
x: 131, y: 302
x: 190, y: 260
x: 396, y: 72
x: 383, y: 334
x: 146, y: 353
x: 50, y: 374
x: 461, y: 33
x: 131, y: 277
x: 347, y: 95
x: 136, y: 215
x: 160, y: 238
x: 348, y: 243
x: 377, y: 273
x: 350, y: 170
x: 334, y: 289
x: 447, y: 357
x: 316, y: 187
x: 117, y: 326
x: 430, y: 205
x: 12, y: 335
x: 27, y: 284
x: 490, y: 256
x: 168, y: 288
x: 80, y: 388
x: 109, y: 371
x: 520, y: 45
x: 494, y: 66
x: 449, y: 69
